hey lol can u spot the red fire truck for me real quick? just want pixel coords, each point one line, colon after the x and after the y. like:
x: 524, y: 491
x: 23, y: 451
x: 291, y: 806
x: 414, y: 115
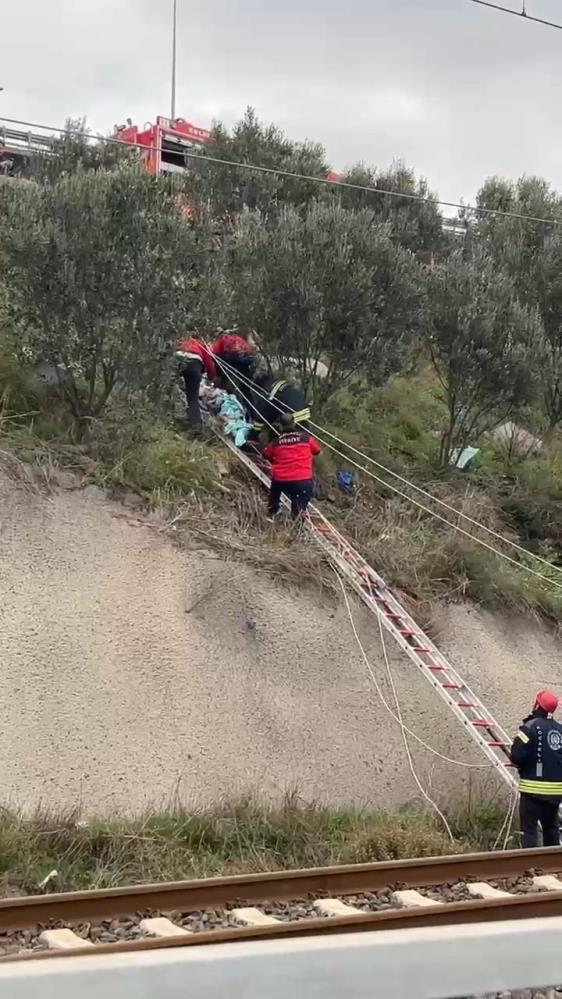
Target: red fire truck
x: 165, y: 143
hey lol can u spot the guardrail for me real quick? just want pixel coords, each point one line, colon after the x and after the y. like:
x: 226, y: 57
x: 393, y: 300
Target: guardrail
x: 425, y: 964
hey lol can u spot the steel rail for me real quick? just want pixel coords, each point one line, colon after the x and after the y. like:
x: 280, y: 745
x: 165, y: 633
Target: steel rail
x: 530, y: 906
x: 21, y: 913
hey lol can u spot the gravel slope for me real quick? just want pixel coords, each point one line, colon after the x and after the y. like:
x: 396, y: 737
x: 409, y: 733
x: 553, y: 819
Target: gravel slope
x: 115, y: 695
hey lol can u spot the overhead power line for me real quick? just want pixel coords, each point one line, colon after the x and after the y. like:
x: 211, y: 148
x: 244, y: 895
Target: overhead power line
x: 277, y: 171
x: 517, y: 13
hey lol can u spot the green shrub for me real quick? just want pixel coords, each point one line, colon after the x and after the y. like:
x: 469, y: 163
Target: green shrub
x: 20, y: 392
x: 173, y: 466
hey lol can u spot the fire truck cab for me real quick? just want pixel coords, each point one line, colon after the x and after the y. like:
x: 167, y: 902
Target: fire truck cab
x: 166, y: 142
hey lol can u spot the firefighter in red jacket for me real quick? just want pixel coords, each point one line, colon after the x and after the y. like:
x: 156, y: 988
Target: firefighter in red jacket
x: 236, y: 349
x: 195, y: 357
x: 291, y: 454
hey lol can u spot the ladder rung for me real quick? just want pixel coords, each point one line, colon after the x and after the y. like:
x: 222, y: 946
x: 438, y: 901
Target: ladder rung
x: 378, y: 596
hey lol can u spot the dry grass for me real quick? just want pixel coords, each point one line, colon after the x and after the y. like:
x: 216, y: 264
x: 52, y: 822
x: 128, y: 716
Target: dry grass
x: 233, y: 837
x: 237, y: 528
x: 429, y: 561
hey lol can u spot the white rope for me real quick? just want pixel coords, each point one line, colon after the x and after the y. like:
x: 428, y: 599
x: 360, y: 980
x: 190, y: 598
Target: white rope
x: 430, y: 749
x: 398, y: 717
x: 405, y: 496
x: 508, y: 821
x: 440, y: 502
x: 447, y: 759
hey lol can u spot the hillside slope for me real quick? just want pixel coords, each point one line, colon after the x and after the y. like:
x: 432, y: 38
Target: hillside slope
x: 135, y: 672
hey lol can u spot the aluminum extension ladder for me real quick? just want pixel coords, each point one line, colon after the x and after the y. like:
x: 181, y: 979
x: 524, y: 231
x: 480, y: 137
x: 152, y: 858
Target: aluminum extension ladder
x: 491, y: 739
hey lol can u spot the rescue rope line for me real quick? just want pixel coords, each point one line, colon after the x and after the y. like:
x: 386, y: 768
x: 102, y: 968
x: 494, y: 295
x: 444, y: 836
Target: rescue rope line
x: 401, y: 493
x: 430, y: 749
x: 450, y: 679
x: 508, y: 821
x: 398, y: 716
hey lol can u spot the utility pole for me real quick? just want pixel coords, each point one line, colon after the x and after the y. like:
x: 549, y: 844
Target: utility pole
x: 174, y: 54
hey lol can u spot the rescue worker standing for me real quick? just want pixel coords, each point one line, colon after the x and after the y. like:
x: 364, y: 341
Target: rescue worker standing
x: 537, y: 754
x: 291, y: 454
x: 236, y: 349
x: 195, y: 357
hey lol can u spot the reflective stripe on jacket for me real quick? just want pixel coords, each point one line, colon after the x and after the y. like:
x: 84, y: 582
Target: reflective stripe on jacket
x: 537, y: 754
x: 281, y: 398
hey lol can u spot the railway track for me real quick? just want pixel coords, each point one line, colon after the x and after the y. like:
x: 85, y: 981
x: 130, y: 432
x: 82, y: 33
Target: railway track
x: 516, y: 884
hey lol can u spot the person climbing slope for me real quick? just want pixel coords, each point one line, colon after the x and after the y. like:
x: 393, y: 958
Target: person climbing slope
x: 291, y: 454
x: 537, y: 754
x: 195, y: 357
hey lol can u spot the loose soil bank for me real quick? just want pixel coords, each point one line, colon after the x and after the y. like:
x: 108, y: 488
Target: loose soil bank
x: 118, y: 693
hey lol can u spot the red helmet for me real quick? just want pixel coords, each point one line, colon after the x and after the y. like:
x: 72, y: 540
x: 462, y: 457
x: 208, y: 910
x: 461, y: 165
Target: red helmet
x: 546, y: 700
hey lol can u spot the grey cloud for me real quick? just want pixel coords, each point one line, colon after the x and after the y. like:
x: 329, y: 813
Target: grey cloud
x: 458, y: 91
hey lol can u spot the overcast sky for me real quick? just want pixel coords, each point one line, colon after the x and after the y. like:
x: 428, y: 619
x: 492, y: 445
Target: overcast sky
x: 457, y: 90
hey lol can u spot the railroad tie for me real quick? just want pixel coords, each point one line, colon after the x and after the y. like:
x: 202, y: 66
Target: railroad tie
x: 335, y: 907
x: 548, y: 881
x: 409, y: 898
x: 160, y: 926
x: 64, y: 939
x: 482, y: 890
x: 253, y: 917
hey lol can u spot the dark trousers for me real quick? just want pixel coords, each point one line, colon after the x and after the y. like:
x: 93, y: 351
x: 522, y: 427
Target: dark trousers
x: 191, y: 374
x: 299, y: 493
x: 534, y: 809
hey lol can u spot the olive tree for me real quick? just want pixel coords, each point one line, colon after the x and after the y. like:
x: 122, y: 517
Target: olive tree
x: 326, y: 286
x: 531, y: 252
x: 101, y: 271
x: 415, y: 219
x: 227, y: 190
x: 484, y: 347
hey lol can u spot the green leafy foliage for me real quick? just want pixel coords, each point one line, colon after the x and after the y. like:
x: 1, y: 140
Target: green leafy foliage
x: 327, y: 286
x: 531, y: 252
x: 229, y: 190
x: 416, y: 222
x: 76, y: 150
x: 484, y: 347
x: 102, y: 270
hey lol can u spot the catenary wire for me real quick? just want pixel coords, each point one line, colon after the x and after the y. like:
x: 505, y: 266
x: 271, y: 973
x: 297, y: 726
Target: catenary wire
x: 402, y: 494
x: 517, y: 13
x: 346, y: 185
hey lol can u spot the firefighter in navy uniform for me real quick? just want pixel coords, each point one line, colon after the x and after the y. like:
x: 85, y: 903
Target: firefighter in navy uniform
x: 274, y: 396
x: 537, y: 754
